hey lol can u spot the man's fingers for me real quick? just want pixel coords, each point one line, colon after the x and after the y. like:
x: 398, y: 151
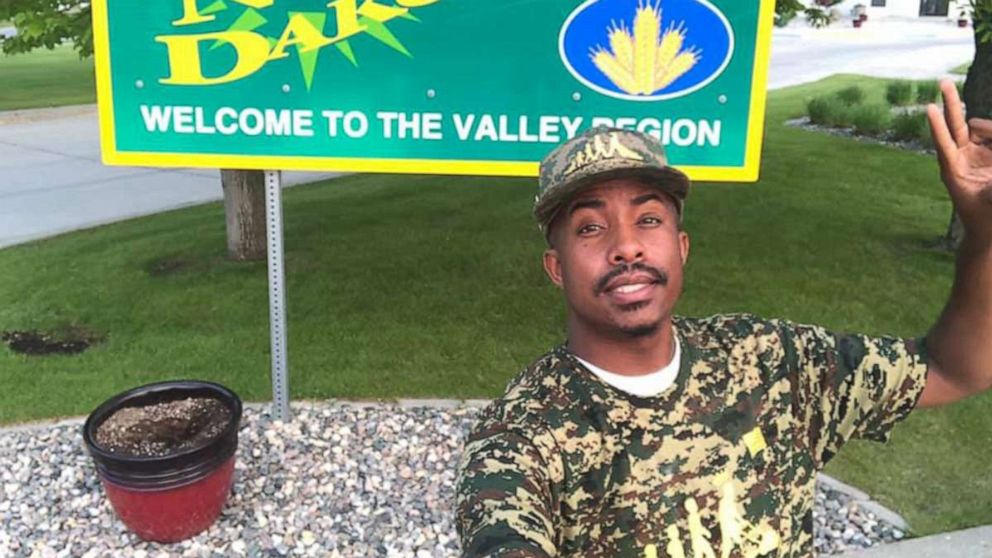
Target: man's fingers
x: 942, y: 139
x: 954, y: 112
x: 981, y: 131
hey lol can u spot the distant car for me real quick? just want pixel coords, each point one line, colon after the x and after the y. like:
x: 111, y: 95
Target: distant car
x: 7, y: 32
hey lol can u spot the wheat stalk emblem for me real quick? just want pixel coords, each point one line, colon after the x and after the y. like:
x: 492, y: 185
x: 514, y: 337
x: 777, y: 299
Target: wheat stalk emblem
x: 639, y: 62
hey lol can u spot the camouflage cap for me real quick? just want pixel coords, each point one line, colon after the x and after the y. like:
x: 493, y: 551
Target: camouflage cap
x: 600, y: 154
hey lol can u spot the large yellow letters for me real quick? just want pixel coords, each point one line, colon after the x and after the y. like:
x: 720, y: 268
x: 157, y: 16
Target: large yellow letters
x: 184, y: 56
x: 252, y: 49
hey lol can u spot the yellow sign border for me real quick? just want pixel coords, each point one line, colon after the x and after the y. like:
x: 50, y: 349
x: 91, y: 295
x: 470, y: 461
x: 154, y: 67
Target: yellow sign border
x: 111, y: 156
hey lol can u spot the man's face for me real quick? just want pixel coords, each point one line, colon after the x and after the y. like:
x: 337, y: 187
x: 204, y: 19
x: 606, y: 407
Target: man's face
x: 618, y: 253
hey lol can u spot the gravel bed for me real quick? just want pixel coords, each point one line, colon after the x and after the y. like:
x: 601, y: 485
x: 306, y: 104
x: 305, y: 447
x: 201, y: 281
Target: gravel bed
x: 915, y: 147
x: 339, y: 480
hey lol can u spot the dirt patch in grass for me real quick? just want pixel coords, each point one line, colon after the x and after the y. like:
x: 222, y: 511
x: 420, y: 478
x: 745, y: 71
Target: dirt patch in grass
x: 69, y: 341
x: 163, y: 267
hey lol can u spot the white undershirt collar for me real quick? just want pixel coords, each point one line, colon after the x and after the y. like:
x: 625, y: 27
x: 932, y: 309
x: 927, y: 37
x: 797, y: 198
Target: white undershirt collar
x: 644, y: 385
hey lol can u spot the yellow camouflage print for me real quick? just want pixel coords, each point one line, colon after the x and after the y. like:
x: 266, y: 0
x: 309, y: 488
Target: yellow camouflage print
x: 721, y: 465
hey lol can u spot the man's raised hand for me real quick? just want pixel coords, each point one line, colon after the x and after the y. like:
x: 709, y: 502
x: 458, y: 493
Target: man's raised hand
x: 964, y: 150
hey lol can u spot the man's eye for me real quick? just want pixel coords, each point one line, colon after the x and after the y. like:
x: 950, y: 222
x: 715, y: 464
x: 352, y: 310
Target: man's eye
x: 589, y: 229
x: 648, y: 220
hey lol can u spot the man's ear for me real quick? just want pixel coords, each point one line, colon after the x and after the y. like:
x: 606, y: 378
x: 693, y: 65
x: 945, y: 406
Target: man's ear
x: 684, y: 246
x: 552, y: 266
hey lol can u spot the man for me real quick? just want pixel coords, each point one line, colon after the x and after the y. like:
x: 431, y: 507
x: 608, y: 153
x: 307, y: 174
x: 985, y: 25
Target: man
x: 652, y: 435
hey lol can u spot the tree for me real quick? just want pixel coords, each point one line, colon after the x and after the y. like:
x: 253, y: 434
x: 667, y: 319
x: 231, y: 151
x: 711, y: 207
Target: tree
x: 50, y: 23
x: 977, y: 87
x: 816, y: 15
x: 244, y: 212
x: 47, y: 23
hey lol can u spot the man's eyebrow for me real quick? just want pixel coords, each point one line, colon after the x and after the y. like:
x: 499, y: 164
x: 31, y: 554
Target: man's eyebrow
x: 590, y: 203
x: 645, y: 198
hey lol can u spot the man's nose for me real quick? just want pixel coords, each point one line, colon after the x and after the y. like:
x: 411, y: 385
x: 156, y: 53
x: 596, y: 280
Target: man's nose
x: 627, y: 247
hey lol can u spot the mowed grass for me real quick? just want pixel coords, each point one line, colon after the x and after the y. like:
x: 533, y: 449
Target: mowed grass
x: 46, y: 78
x: 431, y: 286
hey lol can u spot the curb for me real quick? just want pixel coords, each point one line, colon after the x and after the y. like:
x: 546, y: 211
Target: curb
x: 403, y: 403
x: 42, y: 424
x: 864, y: 501
x: 971, y: 543
x: 24, y: 116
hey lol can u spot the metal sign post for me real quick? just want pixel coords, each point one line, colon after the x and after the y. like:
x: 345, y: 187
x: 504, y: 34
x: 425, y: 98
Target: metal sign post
x: 277, y: 295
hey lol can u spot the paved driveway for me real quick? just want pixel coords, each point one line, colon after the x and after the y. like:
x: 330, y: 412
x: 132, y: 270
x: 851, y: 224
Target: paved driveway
x: 54, y: 182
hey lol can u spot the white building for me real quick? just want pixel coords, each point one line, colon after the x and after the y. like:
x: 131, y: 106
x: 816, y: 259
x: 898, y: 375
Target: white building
x: 904, y: 8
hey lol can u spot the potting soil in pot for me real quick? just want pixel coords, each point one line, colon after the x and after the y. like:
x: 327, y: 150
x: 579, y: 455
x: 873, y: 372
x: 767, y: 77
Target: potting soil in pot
x: 163, y: 428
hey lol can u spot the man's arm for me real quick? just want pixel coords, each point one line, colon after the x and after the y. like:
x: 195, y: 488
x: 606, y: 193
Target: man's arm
x: 506, y: 497
x: 960, y: 343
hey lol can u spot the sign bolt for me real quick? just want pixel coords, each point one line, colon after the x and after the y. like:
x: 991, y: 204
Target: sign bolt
x: 285, y: 88
x: 139, y: 84
x: 576, y: 96
x: 431, y: 93
x: 722, y: 99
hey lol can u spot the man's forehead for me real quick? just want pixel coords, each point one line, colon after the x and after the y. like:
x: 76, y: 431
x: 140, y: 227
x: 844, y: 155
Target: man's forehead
x: 625, y: 189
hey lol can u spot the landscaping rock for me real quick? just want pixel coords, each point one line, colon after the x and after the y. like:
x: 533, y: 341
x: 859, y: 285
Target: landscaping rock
x: 339, y: 480
x: 886, y: 140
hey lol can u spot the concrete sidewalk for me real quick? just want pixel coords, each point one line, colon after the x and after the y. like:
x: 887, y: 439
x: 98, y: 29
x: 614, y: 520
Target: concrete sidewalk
x: 54, y: 182
x: 969, y: 543
x: 892, y: 48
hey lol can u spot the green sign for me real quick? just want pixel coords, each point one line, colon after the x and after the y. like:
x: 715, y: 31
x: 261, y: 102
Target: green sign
x: 427, y: 86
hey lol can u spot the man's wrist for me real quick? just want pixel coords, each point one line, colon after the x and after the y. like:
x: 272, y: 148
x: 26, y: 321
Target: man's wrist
x: 977, y: 239
x: 975, y: 247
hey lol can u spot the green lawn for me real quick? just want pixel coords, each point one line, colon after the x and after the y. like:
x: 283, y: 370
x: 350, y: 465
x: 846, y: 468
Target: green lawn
x: 962, y: 69
x: 422, y: 286
x: 46, y: 78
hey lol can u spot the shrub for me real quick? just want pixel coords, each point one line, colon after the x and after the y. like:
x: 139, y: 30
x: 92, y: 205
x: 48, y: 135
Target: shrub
x: 783, y: 19
x: 910, y: 126
x: 852, y: 95
x: 818, y: 18
x: 829, y: 111
x: 926, y: 92
x: 841, y: 116
x: 899, y: 93
x: 820, y: 110
x: 925, y: 138
x: 871, y: 120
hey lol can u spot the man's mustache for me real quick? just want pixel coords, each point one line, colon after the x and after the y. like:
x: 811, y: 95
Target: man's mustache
x: 659, y: 275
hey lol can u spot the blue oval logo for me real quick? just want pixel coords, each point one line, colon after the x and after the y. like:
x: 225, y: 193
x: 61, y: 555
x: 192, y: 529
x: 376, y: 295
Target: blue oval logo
x: 650, y: 50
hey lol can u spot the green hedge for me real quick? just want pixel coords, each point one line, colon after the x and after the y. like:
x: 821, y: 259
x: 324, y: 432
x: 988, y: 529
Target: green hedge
x: 871, y: 120
x: 899, y: 93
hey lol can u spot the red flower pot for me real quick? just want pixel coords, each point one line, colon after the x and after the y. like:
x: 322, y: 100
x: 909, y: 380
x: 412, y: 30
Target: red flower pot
x: 169, y: 498
x: 173, y: 514
x: 857, y: 22
x: 962, y: 23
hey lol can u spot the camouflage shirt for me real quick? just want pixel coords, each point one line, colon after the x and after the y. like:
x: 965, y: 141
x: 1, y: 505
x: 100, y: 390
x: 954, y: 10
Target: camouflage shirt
x: 722, y: 464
